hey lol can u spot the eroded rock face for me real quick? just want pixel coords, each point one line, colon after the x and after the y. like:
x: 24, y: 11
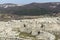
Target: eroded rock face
x: 41, y: 28
x: 45, y: 36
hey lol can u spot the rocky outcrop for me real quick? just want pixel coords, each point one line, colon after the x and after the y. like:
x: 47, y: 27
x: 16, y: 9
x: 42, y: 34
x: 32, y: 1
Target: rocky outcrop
x: 37, y: 29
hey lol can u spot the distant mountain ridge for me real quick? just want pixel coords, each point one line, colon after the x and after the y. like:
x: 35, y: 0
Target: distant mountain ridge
x: 6, y: 5
x: 50, y: 8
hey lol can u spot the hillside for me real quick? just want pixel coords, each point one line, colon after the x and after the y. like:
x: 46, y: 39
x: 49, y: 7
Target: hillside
x: 51, y: 8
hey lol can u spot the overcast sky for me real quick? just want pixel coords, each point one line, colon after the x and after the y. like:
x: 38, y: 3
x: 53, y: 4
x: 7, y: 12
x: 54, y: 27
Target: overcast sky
x: 26, y: 1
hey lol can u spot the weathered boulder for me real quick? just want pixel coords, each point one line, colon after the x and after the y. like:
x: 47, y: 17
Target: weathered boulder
x: 45, y: 36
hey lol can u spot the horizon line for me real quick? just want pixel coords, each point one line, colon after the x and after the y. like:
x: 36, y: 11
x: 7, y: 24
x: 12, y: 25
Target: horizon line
x: 28, y: 3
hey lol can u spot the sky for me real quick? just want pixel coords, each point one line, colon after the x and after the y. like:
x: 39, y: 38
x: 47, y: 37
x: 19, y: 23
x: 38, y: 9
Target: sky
x: 26, y: 1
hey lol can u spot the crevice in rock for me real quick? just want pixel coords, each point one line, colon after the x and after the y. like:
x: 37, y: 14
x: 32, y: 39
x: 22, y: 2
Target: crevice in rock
x: 24, y: 25
x: 38, y: 32
x: 42, y: 25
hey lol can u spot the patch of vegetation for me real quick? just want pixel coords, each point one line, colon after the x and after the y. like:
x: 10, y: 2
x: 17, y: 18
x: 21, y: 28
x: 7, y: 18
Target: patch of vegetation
x: 24, y: 34
x: 33, y: 11
x: 57, y: 36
